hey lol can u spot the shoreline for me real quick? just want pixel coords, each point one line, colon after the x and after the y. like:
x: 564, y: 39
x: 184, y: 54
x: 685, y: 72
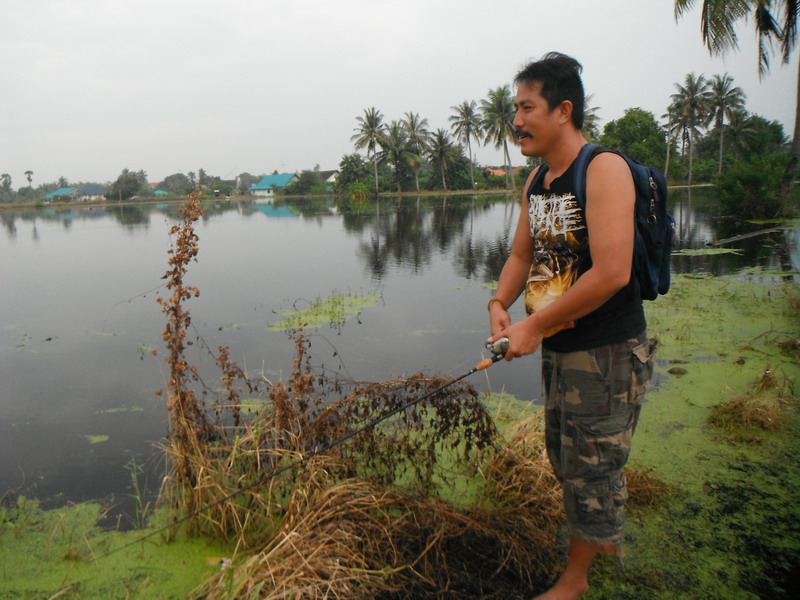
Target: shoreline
x: 371, y: 195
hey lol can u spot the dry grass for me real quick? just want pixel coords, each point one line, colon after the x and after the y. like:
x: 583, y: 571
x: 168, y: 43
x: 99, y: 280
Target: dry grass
x: 764, y: 410
x: 645, y: 490
x: 765, y: 407
x: 356, y: 539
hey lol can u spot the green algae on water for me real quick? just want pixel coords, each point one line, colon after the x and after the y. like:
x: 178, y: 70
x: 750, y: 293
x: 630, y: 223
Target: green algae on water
x: 507, y: 410
x: 334, y: 311
x: 96, y: 439
x: 63, y: 553
x: 730, y: 528
x: 706, y: 251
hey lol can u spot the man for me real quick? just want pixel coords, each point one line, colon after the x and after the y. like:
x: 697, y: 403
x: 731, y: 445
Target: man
x: 583, y: 307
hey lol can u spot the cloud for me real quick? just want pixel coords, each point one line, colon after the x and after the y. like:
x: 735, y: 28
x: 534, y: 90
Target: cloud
x: 90, y: 87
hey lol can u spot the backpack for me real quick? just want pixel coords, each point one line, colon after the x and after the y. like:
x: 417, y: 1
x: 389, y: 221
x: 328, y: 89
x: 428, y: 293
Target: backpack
x: 655, y: 228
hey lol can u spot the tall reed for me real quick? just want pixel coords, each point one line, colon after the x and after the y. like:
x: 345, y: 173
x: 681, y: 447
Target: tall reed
x: 189, y: 427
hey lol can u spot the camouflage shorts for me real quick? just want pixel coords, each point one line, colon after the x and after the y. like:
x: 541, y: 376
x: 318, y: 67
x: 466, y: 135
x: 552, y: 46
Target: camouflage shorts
x: 593, y: 399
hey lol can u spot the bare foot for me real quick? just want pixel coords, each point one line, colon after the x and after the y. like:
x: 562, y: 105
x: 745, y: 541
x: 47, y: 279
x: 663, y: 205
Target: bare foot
x: 565, y: 589
x: 574, y: 581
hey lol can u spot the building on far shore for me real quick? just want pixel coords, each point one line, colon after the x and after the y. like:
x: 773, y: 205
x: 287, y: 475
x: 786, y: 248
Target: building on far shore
x: 84, y: 194
x: 62, y: 194
x: 502, y: 172
x: 92, y: 193
x: 269, y: 183
x: 329, y: 177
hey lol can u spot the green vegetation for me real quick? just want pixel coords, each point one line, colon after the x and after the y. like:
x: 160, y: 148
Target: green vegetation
x: 63, y: 553
x: 706, y: 251
x: 96, y: 439
x: 638, y: 135
x: 334, y: 311
x: 751, y: 187
x: 775, y: 23
x: 128, y: 185
x: 723, y: 436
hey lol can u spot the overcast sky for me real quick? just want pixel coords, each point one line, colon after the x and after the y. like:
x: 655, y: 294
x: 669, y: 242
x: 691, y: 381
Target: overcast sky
x: 89, y: 87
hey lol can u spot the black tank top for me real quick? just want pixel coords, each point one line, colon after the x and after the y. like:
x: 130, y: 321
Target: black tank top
x: 561, y: 256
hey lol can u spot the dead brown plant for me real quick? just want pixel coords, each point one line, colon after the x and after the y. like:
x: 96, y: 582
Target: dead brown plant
x: 645, y: 489
x: 765, y: 410
x: 358, y: 539
x: 765, y: 407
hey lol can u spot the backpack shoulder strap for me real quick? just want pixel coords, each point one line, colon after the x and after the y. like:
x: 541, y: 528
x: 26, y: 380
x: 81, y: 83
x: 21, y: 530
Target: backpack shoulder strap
x: 586, y: 154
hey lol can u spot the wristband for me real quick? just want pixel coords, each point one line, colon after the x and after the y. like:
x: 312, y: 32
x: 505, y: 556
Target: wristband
x: 500, y: 302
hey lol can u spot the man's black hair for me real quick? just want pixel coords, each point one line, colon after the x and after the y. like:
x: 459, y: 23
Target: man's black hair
x: 560, y: 77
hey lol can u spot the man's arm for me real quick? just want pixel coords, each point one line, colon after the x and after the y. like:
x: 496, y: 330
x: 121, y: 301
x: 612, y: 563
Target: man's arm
x: 610, y: 197
x: 516, y: 269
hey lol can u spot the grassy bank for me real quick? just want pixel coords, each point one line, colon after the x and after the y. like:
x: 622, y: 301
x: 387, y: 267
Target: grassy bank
x: 720, y: 432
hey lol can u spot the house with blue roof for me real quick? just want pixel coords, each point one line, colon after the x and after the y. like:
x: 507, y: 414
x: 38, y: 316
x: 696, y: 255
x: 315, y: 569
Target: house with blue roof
x: 92, y: 193
x: 61, y: 194
x: 85, y: 194
x: 268, y: 184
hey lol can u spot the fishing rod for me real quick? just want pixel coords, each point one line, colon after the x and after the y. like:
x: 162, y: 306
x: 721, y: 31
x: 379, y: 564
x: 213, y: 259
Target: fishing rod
x: 498, y: 350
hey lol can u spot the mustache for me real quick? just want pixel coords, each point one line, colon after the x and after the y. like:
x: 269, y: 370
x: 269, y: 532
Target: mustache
x: 521, y: 133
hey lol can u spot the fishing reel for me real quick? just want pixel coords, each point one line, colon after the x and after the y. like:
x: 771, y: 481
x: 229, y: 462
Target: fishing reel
x: 498, y: 347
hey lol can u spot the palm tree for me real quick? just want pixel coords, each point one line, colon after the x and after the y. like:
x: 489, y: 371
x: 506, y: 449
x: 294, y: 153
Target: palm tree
x: 673, y: 129
x: 498, y: 123
x: 724, y: 101
x: 29, y: 176
x: 466, y: 125
x: 418, y: 134
x: 397, y: 149
x: 690, y: 106
x: 369, y: 134
x: 5, y: 186
x: 591, y: 120
x: 443, y: 153
x: 774, y: 20
x: 741, y: 134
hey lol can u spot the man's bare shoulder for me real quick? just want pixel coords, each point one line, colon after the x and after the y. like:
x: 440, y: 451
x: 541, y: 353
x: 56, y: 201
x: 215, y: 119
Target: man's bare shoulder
x: 609, y: 162
x: 609, y: 182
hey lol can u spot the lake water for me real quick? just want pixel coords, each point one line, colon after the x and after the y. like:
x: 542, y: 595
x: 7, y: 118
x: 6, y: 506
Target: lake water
x: 78, y: 382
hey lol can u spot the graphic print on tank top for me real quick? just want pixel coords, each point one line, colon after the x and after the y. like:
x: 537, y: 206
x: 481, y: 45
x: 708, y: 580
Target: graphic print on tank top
x: 560, y: 247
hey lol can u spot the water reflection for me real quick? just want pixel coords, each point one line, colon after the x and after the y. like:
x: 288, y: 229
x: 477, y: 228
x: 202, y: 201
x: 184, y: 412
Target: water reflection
x: 700, y: 224
x: 406, y: 232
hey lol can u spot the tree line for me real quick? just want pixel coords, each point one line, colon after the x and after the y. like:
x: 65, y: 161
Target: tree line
x: 705, y: 133
x: 132, y: 184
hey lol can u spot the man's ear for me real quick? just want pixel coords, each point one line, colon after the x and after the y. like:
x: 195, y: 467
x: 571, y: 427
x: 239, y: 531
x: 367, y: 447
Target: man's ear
x: 565, y: 111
